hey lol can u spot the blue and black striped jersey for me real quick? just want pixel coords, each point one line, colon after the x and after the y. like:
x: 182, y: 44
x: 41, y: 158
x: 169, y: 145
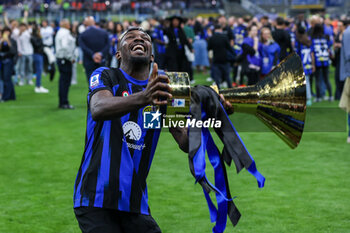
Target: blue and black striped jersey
x: 305, y: 54
x: 320, y: 47
x: 118, y: 152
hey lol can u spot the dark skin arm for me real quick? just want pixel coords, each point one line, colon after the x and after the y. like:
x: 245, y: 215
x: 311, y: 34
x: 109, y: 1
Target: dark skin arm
x: 180, y: 134
x: 105, y: 106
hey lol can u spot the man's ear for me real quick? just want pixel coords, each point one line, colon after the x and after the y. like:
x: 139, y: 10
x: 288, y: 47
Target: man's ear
x: 117, y: 55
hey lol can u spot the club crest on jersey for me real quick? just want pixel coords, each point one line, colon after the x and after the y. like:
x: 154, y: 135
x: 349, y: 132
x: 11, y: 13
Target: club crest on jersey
x: 125, y: 93
x: 132, y: 131
x: 94, y: 81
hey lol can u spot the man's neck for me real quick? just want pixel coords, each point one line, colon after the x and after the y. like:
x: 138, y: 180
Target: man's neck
x: 139, y: 73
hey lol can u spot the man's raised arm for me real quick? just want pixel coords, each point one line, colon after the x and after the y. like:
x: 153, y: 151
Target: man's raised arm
x: 104, y: 105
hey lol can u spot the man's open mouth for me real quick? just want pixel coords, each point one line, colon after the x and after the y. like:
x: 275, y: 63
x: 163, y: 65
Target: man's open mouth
x: 138, y: 48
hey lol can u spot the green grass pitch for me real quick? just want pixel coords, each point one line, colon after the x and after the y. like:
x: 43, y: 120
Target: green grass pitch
x: 306, y: 189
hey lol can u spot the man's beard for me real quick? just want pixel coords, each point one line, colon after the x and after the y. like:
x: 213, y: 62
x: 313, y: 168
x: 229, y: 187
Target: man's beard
x: 140, y: 61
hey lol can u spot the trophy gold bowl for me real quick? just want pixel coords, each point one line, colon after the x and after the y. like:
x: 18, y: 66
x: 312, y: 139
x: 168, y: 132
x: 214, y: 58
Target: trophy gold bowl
x: 279, y: 100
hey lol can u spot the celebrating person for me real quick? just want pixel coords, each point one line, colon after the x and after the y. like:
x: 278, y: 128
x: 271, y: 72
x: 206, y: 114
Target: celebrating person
x: 110, y: 190
x: 25, y: 55
x: 110, y: 193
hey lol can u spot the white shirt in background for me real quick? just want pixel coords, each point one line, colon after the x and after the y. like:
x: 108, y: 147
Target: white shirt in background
x: 15, y: 34
x: 47, y: 34
x: 24, y: 46
x: 65, y: 44
x: 81, y: 28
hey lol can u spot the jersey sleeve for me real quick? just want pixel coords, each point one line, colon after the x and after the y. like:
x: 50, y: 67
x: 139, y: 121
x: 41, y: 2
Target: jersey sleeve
x: 99, y: 80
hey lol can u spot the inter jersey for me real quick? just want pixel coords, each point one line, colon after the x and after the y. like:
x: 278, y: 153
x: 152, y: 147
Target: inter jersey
x: 158, y: 33
x: 320, y: 47
x: 239, y: 33
x: 305, y: 54
x: 118, y: 152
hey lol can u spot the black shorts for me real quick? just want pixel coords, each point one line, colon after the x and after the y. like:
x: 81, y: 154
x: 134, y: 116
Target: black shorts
x: 99, y: 220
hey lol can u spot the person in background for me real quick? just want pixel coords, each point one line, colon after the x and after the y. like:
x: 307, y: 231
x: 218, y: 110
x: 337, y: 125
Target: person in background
x: 47, y: 34
x: 345, y: 72
x: 222, y: 21
x: 320, y: 54
x: 290, y: 27
x: 239, y: 32
x: 14, y: 27
x: 265, y: 23
x: 220, y: 68
x: 269, y: 50
x: 81, y: 29
x: 187, y: 26
x: 328, y: 28
x: 75, y: 34
x: 250, y: 57
x: 282, y: 37
x: 8, y: 53
x: 314, y: 19
x: 160, y: 40
x: 119, y: 32
x: 336, y: 61
x: 201, y: 59
x: 65, y: 47
x: 113, y: 39
x: 302, y: 47
x: 95, y: 45
x: 175, y: 52
x: 25, y: 54
x: 38, y: 59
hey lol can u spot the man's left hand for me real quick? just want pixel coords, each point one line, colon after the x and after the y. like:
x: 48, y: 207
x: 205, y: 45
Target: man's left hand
x: 227, y: 105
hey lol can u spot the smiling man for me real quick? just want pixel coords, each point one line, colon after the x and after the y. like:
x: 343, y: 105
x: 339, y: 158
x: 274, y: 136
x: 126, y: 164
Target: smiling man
x: 110, y: 193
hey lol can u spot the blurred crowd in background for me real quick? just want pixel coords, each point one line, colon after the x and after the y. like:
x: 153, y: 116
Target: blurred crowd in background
x: 231, y: 51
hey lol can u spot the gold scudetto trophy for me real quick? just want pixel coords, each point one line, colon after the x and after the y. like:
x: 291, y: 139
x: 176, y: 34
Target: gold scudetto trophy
x: 279, y: 100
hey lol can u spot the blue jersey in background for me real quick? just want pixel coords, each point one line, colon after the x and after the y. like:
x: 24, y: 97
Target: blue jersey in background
x: 113, y: 48
x: 239, y: 32
x: 270, y: 56
x: 158, y: 33
x: 320, y: 48
x: 305, y: 54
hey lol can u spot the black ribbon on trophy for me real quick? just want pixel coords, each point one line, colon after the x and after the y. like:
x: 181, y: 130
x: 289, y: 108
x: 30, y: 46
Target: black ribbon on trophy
x: 279, y: 101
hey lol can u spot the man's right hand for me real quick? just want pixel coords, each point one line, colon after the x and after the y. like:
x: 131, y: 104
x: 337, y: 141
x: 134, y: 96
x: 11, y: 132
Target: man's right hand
x: 158, y: 90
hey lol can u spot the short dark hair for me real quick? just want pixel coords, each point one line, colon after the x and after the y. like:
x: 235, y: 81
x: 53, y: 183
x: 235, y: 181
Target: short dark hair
x: 251, y: 26
x: 346, y: 22
x: 129, y: 30
x: 280, y: 21
x: 6, y: 28
x: 124, y: 34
